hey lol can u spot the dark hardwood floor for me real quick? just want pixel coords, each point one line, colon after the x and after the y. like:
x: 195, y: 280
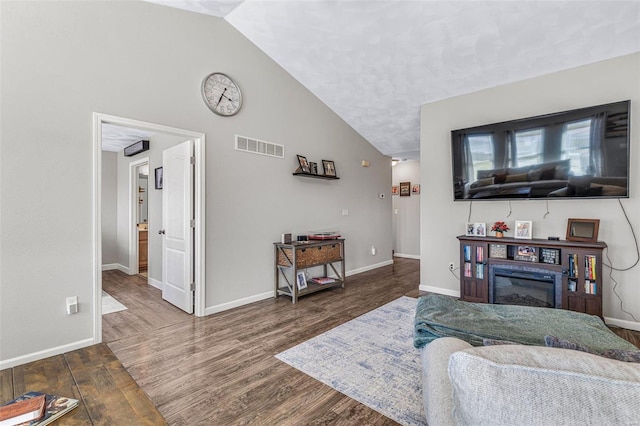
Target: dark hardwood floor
x: 216, y: 370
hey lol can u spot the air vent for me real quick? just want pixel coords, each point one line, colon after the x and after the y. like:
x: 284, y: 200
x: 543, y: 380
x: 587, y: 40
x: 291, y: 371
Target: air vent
x: 256, y: 146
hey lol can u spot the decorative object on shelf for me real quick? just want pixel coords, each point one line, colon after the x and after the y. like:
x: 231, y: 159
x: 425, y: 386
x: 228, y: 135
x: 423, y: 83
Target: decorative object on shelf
x: 527, y: 254
x: 136, y: 148
x: 415, y: 189
x: 304, y: 164
x: 331, y: 235
x: 221, y: 94
x: 301, y: 279
x: 329, y: 168
x: 476, y: 229
x: 158, y: 174
x: 524, y: 229
x: 500, y: 228
x: 498, y: 251
x: 405, y: 189
x: 585, y: 230
x: 313, y: 168
x: 395, y: 190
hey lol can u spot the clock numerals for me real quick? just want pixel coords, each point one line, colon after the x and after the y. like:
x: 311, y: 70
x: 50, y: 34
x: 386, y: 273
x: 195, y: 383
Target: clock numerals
x: 221, y: 94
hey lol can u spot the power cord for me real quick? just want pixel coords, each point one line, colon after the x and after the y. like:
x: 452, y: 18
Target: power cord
x: 615, y: 284
x: 510, y: 211
x: 469, y: 218
x: 635, y: 240
x: 547, y: 213
x: 454, y: 274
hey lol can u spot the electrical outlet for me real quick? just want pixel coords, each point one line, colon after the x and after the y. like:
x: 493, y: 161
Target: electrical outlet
x: 451, y: 266
x: 373, y: 250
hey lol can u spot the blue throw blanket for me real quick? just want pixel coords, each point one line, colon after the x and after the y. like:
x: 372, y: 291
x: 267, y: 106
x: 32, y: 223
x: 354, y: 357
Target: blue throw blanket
x: 440, y: 316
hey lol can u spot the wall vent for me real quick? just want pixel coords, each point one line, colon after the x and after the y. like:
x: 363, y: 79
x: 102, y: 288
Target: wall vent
x: 256, y: 146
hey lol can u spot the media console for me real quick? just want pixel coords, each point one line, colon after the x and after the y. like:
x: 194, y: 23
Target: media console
x: 544, y: 273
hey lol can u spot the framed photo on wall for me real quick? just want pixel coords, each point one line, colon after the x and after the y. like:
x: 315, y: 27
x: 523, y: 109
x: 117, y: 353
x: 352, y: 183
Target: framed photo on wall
x: 415, y: 188
x: 395, y: 190
x: 524, y: 229
x: 405, y: 189
x: 158, y: 175
x: 329, y: 168
x: 304, y: 164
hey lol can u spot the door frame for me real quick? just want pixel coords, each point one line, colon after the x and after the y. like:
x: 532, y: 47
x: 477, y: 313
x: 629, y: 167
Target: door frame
x: 134, y: 256
x: 199, y: 209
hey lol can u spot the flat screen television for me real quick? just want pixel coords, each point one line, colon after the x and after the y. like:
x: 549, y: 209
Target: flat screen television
x: 582, y: 153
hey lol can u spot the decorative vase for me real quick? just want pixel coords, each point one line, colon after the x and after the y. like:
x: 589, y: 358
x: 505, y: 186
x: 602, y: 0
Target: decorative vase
x: 499, y: 234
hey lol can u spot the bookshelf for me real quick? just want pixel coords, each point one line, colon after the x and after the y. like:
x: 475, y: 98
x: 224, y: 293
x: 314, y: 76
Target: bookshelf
x: 580, y: 264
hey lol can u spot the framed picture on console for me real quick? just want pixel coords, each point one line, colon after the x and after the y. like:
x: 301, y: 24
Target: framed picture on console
x: 585, y: 230
x: 524, y: 229
x: 301, y: 279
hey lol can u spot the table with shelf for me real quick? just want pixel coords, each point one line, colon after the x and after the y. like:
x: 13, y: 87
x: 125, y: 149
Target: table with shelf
x: 292, y: 257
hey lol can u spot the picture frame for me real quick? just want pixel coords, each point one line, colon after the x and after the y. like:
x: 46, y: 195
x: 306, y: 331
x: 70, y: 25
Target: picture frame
x: 313, y: 168
x: 301, y: 280
x: 395, y: 190
x: 584, y: 230
x: 415, y: 188
x: 304, y: 164
x: 405, y: 189
x: 524, y: 229
x: 158, y: 177
x: 329, y: 168
x: 476, y: 229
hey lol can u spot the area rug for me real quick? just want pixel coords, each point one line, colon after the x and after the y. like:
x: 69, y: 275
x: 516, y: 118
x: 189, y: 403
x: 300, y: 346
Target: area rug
x: 370, y: 359
x: 110, y: 305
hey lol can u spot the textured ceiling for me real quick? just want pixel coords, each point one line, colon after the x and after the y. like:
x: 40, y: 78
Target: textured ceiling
x: 115, y: 138
x: 375, y: 62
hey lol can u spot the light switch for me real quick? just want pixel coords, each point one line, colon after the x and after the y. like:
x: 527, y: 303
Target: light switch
x: 345, y: 212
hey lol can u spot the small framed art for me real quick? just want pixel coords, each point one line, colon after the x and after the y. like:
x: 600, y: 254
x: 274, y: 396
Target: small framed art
x: 405, y: 189
x: 329, y: 168
x: 415, y: 188
x: 304, y: 164
x: 524, y: 229
x: 395, y: 190
x: 476, y: 229
x: 301, y: 279
x: 585, y: 230
x: 313, y: 168
x: 158, y: 176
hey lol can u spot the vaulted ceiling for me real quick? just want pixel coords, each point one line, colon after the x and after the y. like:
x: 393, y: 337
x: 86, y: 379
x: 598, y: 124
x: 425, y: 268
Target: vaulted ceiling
x: 375, y: 62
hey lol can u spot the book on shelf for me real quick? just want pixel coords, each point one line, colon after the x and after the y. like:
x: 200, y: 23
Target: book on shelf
x: 17, y: 412
x: 54, y: 407
x: 323, y: 280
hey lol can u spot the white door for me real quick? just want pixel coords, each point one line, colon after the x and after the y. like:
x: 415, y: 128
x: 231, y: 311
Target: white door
x: 177, y: 215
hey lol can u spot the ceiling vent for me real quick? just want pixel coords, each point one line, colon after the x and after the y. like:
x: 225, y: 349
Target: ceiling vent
x: 256, y: 146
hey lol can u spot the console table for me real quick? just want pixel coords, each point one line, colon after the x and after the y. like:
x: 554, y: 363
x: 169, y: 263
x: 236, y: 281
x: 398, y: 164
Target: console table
x: 299, y: 255
x: 575, y: 267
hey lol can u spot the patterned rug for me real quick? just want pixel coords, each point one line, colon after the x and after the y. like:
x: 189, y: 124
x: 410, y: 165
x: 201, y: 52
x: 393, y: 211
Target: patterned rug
x: 370, y: 359
x: 110, y: 305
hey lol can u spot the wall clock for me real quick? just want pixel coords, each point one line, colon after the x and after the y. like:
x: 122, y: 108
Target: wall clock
x: 221, y: 94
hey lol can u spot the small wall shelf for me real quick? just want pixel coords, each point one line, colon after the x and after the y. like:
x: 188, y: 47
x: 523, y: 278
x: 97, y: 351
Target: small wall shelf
x: 315, y: 175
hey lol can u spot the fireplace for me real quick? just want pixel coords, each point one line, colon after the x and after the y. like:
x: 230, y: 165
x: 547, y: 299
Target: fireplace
x: 524, y: 285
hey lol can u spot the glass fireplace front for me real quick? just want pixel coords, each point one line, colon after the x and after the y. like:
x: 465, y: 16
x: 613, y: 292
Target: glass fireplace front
x: 524, y: 287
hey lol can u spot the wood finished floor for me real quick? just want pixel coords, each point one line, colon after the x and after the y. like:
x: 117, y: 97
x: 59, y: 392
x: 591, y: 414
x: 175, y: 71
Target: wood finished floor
x: 221, y: 369
x: 216, y: 370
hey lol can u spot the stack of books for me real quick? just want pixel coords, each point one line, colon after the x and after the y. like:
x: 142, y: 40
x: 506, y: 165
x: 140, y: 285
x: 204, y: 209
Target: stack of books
x: 35, y: 409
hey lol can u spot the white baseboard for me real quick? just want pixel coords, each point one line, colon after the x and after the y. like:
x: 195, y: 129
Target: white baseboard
x: 445, y: 291
x: 630, y: 325
x: 368, y: 268
x: 109, y: 266
x: 118, y: 266
x: 35, y: 356
x: 236, y: 303
x: 154, y: 283
x: 408, y: 256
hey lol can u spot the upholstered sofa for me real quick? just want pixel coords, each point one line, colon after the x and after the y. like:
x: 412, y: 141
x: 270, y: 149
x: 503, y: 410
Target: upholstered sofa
x: 526, y: 385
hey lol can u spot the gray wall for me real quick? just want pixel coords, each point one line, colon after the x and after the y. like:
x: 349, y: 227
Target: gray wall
x: 109, y: 208
x: 442, y: 219
x: 406, y: 222
x: 62, y: 61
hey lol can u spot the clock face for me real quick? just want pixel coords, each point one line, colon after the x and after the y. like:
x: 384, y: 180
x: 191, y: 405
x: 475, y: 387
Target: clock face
x: 221, y: 94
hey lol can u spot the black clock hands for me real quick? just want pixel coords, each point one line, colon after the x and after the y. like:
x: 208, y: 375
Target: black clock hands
x: 222, y: 95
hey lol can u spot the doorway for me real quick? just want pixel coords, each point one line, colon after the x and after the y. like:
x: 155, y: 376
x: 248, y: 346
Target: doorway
x: 198, y: 209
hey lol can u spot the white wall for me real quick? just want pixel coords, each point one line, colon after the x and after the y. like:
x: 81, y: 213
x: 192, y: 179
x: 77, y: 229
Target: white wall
x: 63, y: 61
x: 406, y: 211
x: 442, y: 219
x: 109, y: 208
